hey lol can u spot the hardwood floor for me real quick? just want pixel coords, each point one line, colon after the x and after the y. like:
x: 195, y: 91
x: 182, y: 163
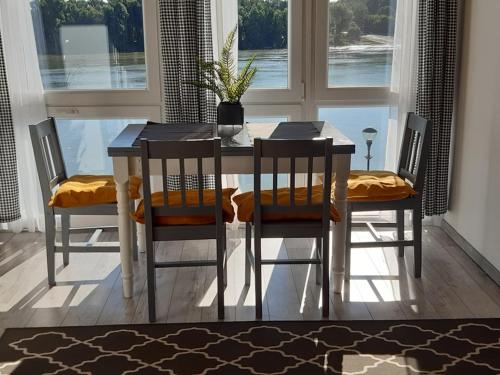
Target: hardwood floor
x: 89, y: 290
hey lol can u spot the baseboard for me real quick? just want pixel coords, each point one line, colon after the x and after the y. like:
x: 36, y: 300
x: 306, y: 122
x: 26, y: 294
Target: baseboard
x: 472, y: 252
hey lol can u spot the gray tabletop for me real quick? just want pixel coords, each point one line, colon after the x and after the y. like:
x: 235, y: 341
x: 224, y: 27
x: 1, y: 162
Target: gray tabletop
x: 240, y: 145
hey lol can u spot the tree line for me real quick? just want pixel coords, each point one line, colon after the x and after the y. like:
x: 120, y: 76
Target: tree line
x: 263, y: 24
x: 351, y: 19
x: 123, y: 18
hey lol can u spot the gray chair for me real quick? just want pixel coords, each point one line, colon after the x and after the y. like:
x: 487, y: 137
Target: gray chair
x: 412, y: 167
x: 52, y: 172
x: 292, y: 150
x: 167, y: 152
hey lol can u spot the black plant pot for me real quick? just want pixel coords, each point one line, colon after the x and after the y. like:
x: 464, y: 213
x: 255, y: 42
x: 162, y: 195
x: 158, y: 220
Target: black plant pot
x: 230, y: 113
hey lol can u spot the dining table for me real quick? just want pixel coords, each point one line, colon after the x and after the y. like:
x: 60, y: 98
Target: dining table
x: 237, y: 159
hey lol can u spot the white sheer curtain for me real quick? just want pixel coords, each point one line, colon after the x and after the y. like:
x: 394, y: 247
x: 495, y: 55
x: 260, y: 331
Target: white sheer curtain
x: 28, y: 105
x: 404, y: 76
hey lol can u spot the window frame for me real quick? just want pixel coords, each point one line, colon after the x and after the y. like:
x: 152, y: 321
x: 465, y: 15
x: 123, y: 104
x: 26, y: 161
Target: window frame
x: 150, y: 96
x: 294, y: 93
x: 105, y: 113
x: 292, y: 112
x: 346, y: 95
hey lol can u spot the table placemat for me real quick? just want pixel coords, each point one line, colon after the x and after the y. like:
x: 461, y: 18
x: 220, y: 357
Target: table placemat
x: 175, y: 132
x: 295, y: 130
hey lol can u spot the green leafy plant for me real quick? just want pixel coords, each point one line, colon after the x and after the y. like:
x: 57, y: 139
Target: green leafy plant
x: 222, y: 77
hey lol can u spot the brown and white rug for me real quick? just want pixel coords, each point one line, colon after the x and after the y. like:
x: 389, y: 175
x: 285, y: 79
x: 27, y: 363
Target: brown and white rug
x: 321, y: 347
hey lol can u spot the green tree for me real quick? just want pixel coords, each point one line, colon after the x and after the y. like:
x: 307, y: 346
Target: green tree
x: 122, y: 17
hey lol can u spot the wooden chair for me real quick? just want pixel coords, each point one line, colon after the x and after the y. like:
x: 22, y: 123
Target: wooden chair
x: 51, y: 174
x: 185, y: 205
x: 411, y: 169
x: 309, y: 218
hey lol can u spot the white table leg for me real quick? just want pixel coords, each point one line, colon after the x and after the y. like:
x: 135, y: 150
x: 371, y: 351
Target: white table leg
x: 120, y: 169
x: 342, y: 167
x: 141, y: 237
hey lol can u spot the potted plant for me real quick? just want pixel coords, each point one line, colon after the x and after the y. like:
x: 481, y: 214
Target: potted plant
x: 222, y: 78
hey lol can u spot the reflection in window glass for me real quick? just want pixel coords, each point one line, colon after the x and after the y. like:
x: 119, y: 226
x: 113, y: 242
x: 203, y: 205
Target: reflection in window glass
x: 84, y: 143
x: 361, y: 39
x: 351, y: 122
x: 263, y: 31
x: 245, y: 181
x: 96, y: 44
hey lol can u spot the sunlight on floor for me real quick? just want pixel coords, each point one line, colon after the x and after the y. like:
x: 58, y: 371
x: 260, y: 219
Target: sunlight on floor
x: 376, y: 275
x: 270, y: 249
x: 82, y: 269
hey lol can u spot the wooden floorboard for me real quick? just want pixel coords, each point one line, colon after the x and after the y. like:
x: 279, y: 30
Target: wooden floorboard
x: 89, y: 290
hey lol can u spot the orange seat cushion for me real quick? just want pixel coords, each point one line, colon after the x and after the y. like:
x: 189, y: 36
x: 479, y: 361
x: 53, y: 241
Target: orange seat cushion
x: 377, y: 186
x: 175, y: 200
x: 245, y: 205
x: 87, y: 190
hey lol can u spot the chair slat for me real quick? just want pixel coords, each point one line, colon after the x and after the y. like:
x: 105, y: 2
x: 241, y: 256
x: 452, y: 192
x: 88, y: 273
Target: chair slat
x: 47, y: 154
x: 414, y: 152
x: 200, y: 182
x: 310, y: 161
x: 275, y: 180
x: 182, y: 172
x: 292, y: 182
x: 164, y: 181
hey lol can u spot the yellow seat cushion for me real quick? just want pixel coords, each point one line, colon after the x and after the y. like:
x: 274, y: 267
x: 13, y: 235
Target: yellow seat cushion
x: 377, y: 186
x: 86, y: 190
x: 245, y: 205
x: 175, y: 200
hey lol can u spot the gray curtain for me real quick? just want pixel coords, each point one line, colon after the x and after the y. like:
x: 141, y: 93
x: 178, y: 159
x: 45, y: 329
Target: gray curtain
x: 186, y: 37
x: 9, y: 188
x: 437, y: 61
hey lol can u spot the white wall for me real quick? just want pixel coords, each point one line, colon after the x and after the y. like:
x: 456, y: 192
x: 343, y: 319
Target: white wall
x: 475, y: 186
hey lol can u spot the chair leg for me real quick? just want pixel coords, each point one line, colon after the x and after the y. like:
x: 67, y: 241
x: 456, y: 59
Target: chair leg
x: 258, y: 274
x: 318, y: 265
x: 65, y: 225
x: 417, y: 240
x: 50, y: 237
x: 220, y: 274
x: 135, y: 248
x: 151, y: 275
x: 224, y: 245
x: 248, y: 252
x: 133, y: 230
x: 348, y: 241
x: 400, y: 216
x: 326, y: 271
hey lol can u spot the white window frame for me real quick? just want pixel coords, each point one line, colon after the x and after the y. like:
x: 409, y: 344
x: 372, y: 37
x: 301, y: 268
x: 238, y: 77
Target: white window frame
x: 291, y: 112
x: 337, y: 95
x: 153, y: 113
x: 294, y: 93
x: 150, y: 96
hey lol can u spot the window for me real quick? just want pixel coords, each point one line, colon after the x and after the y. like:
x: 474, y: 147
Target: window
x: 84, y: 143
x: 263, y: 32
x: 360, y: 42
x: 351, y: 121
x: 91, y: 45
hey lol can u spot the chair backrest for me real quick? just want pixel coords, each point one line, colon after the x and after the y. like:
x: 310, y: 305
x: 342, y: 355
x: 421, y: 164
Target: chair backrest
x: 295, y: 151
x: 48, y: 156
x: 180, y: 152
x: 415, y: 150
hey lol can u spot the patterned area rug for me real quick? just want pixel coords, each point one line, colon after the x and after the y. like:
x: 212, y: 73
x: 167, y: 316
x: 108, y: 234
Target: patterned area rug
x: 375, y: 347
